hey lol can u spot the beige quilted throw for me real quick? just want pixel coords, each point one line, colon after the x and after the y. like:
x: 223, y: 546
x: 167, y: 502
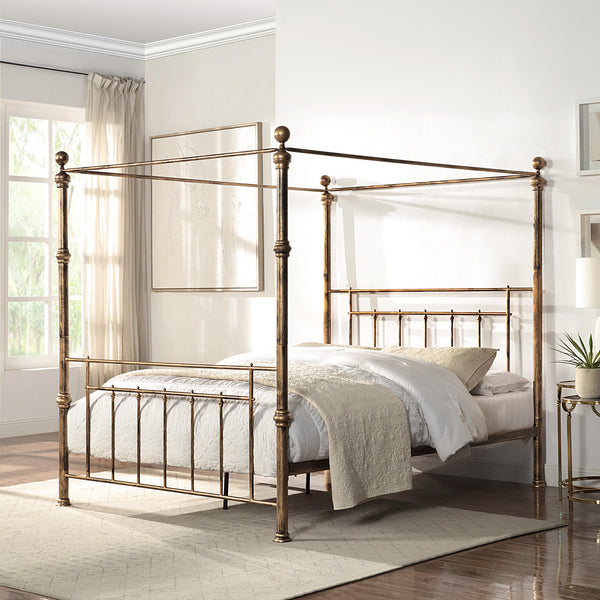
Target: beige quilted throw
x: 369, y: 441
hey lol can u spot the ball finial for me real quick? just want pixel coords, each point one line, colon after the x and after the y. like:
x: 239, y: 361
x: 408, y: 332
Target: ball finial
x: 325, y: 180
x: 538, y: 163
x: 282, y: 134
x: 61, y: 158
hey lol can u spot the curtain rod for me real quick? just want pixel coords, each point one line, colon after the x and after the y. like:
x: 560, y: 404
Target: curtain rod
x: 16, y: 64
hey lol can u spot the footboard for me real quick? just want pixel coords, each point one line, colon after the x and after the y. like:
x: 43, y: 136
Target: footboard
x: 141, y: 398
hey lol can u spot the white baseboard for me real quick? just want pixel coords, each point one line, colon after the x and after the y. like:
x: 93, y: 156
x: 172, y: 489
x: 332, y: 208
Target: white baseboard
x: 19, y: 427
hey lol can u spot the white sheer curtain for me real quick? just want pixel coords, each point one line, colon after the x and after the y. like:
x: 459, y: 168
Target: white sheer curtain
x: 115, y: 304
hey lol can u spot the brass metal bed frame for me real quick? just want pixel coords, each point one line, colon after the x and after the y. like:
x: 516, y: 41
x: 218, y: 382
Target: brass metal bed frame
x: 281, y: 158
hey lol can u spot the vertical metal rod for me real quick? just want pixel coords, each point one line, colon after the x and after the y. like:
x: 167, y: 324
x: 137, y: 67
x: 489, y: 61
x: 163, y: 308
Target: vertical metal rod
x: 375, y: 329
x: 251, y: 433
x: 307, y: 484
x: 425, y: 317
x: 350, y: 316
x: 569, y: 461
x: 225, y: 490
x: 537, y: 184
x: 88, y: 428
x: 508, y: 328
x: 221, y: 469
x: 112, y: 432
x: 399, y: 328
x: 451, y: 328
x: 63, y: 399
x: 281, y: 159
x: 192, y: 443
x: 559, y: 436
x: 139, y: 435
x: 479, y: 320
x: 164, y: 398
x: 326, y: 199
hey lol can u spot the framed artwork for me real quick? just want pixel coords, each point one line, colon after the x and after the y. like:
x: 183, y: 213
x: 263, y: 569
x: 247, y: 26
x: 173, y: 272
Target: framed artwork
x: 589, y: 233
x: 588, y: 137
x: 207, y: 237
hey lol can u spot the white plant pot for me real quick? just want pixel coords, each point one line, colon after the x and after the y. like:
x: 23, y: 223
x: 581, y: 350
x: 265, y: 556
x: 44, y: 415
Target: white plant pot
x: 587, y: 383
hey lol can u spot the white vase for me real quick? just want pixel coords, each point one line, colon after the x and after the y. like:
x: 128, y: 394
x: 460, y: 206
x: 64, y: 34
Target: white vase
x: 587, y: 383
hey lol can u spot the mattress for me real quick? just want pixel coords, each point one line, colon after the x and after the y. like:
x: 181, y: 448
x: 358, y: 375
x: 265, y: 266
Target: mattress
x: 507, y: 412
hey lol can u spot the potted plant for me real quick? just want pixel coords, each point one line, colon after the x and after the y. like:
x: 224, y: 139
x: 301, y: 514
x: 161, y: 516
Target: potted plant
x: 586, y: 361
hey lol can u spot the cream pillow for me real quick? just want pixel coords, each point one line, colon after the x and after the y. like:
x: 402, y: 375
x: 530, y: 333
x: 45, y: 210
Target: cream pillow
x: 468, y: 364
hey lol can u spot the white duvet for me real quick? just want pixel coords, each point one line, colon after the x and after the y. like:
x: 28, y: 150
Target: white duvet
x: 441, y: 413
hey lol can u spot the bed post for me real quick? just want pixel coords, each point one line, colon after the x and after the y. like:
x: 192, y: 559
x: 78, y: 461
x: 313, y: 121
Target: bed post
x: 326, y: 199
x: 62, y: 256
x: 537, y: 184
x: 282, y: 249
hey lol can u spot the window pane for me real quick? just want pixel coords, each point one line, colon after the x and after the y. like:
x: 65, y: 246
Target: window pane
x: 26, y: 328
x: 67, y: 137
x: 28, y: 147
x: 26, y: 269
x: 75, y: 328
x: 27, y: 209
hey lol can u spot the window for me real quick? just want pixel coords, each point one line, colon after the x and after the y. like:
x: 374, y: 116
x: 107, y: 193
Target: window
x: 32, y: 134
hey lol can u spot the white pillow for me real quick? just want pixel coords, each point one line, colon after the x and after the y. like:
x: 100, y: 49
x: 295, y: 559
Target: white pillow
x: 469, y: 364
x: 499, y: 382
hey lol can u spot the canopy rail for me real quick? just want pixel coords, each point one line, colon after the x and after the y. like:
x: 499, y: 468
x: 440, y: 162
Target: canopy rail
x: 166, y: 161
x: 101, y: 170
x: 401, y: 161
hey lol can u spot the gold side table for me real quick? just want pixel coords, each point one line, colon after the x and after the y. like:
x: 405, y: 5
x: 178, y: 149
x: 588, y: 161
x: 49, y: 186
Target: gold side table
x: 577, y: 492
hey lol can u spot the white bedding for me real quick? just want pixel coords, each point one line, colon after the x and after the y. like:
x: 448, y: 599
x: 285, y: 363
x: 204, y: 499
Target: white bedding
x: 441, y: 413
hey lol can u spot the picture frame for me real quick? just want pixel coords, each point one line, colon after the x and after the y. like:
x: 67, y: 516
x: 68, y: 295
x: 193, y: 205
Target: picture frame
x: 589, y: 233
x: 207, y: 237
x: 588, y: 137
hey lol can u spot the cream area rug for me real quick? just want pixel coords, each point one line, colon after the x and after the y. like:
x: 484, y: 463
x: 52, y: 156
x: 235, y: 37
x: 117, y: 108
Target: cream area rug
x: 118, y: 542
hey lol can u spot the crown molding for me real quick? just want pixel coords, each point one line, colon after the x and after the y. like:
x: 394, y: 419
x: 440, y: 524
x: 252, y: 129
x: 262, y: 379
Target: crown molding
x: 70, y: 39
x: 210, y: 38
x: 134, y: 50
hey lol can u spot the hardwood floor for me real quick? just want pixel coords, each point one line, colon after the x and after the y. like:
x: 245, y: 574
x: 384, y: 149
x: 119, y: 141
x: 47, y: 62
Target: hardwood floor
x: 558, y: 564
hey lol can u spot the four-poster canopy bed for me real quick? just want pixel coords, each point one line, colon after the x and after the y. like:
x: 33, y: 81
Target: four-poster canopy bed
x: 250, y: 374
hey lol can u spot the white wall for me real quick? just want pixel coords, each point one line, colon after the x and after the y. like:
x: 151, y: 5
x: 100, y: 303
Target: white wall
x: 444, y: 81
x: 223, y: 85
x: 28, y: 397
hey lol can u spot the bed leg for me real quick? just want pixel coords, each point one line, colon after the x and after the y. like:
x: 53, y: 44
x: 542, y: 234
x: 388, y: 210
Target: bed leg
x: 307, y: 487
x: 63, y: 456
x: 328, y: 481
x: 225, y: 490
x: 538, y: 480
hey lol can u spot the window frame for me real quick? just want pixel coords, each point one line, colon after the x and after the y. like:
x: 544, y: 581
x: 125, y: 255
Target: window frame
x: 50, y: 112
